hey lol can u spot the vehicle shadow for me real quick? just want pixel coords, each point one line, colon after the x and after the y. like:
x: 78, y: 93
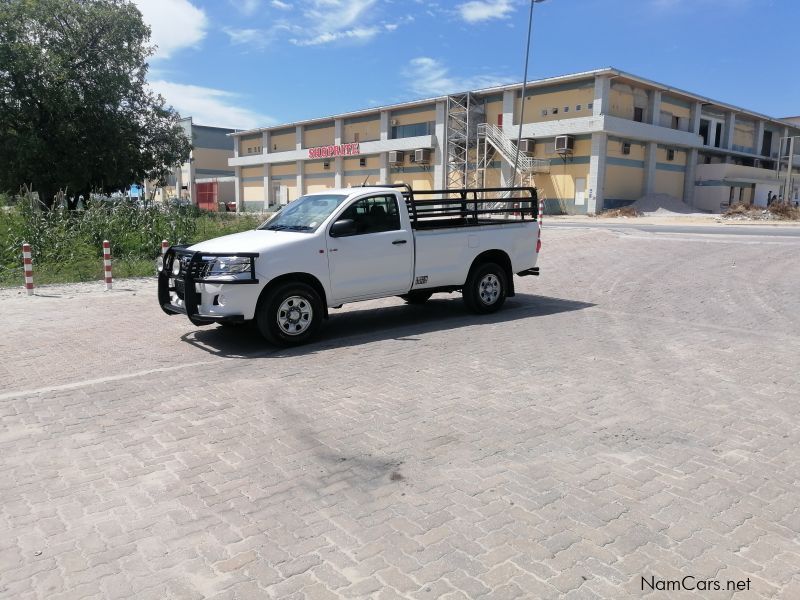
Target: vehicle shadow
x: 398, y: 322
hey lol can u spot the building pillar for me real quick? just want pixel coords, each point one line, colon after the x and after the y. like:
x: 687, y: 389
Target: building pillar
x: 509, y: 97
x: 759, y: 138
x: 602, y: 90
x: 338, y: 161
x: 384, y: 173
x: 694, y: 117
x: 650, y: 159
x: 654, y: 107
x: 238, y: 189
x: 440, y: 147
x: 507, y: 173
x: 384, y: 125
x: 300, y: 180
x: 298, y: 137
x: 689, y: 176
x: 235, y: 146
x: 268, y: 199
x: 728, y: 132
x: 597, y: 173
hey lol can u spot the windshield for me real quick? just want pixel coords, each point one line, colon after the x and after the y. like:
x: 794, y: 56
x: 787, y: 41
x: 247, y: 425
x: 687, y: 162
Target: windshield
x: 306, y: 213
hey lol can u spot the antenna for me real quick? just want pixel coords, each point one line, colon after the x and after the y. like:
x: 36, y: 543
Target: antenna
x: 365, y: 181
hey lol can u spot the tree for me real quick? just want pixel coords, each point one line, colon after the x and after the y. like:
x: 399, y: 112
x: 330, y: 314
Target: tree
x: 75, y: 108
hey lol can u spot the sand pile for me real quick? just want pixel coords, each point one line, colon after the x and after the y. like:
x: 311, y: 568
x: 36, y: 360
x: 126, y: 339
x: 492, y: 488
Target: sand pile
x: 661, y: 205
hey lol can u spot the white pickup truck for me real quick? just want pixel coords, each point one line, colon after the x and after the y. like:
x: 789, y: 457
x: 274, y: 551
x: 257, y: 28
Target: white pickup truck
x: 347, y: 245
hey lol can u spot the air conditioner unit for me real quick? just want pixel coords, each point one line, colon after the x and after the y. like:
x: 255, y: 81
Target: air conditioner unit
x: 565, y: 143
x: 396, y: 157
x: 326, y: 165
x: 527, y: 146
x: 394, y: 122
x: 421, y: 156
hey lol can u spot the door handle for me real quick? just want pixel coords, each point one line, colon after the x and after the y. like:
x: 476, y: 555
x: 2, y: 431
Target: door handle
x: 396, y: 242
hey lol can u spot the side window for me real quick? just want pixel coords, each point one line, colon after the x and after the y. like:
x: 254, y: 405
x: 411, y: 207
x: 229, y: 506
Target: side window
x: 374, y: 214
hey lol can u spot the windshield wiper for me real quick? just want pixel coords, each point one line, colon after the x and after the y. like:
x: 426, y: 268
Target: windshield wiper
x: 277, y: 227
x: 299, y: 227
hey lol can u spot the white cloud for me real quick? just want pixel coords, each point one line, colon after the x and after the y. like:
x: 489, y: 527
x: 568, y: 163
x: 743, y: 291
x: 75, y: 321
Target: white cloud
x: 175, y: 24
x: 357, y: 34
x: 247, y: 7
x: 210, y: 106
x: 429, y: 77
x: 281, y: 5
x: 483, y: 10
x: 247, y: 37
x: 329, y: 21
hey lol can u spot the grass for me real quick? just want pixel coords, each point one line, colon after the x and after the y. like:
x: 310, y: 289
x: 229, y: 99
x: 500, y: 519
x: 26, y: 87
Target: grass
x: 67, y: 246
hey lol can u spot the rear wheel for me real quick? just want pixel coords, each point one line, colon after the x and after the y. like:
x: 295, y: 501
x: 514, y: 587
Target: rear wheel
x: 486, y: 288
x: 417, y: 297
x: 290, y: 314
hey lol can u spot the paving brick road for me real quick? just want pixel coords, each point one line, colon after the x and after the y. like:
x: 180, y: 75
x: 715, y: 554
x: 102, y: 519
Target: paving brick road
x: 632, y: 414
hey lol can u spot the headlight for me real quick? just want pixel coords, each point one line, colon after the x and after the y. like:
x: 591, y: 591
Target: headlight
x: 160, y: 264
x: 176, y: 266
x: 230, y: 265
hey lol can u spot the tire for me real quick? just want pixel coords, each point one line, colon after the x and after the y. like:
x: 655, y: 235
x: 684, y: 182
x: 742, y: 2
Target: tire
x: 417, y: 297
x: 486, y: 288
x: 290, y: 314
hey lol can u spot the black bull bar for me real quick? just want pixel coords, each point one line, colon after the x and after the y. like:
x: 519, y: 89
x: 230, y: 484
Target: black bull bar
x: 194, y: 267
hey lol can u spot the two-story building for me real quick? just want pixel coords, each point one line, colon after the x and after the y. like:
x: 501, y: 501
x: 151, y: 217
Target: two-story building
x: 589, y: 141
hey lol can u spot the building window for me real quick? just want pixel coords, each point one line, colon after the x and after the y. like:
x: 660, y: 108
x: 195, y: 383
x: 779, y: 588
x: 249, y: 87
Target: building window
x: 555, y: 110
x: 626, y: 147
x: 566, y: 109
x: 590, y: 106
x: 356, y: 137
x: 413, y: 130
x: 670, y: 154
x: 676, y: 122
x: 362, y: 162
x: 544, y: 112
x: 638, y: 114
x: 577, y: 107
x: 326, y: 165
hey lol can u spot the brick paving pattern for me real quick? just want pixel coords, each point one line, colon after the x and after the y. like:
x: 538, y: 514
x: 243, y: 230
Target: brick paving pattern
x: 631, y: 413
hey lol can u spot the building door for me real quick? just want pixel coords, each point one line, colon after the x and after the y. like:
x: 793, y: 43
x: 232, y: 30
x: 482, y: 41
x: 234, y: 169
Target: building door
x: 580, y: 191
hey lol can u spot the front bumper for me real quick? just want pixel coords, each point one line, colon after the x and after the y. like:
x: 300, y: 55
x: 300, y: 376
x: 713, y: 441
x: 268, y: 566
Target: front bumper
x: 182, y: 293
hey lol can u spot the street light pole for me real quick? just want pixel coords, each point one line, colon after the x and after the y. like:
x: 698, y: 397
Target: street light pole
x: 524, y: 88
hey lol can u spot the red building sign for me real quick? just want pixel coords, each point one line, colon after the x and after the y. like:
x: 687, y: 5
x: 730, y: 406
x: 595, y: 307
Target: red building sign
x: 332, y: 151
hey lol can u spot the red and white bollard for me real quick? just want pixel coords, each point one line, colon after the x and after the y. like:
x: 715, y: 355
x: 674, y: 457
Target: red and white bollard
x: 107, y: 263
x: 164, y: 247
x: 541, y: 210
x: 27, y: 263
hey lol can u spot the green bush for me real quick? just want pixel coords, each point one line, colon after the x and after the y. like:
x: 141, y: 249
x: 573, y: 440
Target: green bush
x: 67, y: 245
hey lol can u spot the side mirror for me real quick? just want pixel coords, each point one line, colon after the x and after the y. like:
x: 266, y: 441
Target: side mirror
x: 343, y: 227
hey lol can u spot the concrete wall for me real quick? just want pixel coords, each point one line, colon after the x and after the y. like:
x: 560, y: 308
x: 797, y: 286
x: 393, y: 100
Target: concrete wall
x: 314, y: 136
x: 560, y: 101
x: 366, y: 128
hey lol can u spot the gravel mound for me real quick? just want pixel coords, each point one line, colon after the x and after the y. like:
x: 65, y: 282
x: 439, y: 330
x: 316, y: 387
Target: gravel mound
x: 661, y: 205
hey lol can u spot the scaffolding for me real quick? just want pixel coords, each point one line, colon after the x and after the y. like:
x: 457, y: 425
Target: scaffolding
x: 463, y: 115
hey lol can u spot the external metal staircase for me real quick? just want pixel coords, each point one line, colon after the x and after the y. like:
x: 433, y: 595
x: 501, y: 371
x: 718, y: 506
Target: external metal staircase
x: 494, y: 136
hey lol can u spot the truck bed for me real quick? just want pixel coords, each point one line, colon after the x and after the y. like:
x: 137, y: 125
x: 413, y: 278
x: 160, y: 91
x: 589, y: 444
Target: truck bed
x: 439, y: 209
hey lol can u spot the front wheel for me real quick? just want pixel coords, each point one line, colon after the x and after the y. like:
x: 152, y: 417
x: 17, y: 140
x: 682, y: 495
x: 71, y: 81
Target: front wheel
x: 485, y: 289
x: 290, y: 314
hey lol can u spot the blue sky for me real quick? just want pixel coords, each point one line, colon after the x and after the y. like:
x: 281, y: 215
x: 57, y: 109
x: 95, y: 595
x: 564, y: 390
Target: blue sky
x: 251, y: 63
